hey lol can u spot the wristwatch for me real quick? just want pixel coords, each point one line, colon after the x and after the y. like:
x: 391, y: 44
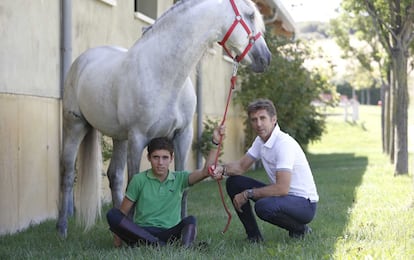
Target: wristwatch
x: 250, y: 194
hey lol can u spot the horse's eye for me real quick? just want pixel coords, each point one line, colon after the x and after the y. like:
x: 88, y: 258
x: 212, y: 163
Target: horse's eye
x: 251, y: 17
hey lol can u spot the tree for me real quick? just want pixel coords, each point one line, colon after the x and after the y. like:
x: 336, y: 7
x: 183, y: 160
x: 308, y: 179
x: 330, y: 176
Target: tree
x: 391, y: 23
x: 291, y: 87
x: 358, y: 39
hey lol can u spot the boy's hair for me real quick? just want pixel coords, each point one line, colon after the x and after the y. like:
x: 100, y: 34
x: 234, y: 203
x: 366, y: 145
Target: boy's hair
x: 260, y: 104
x: 160, y: 143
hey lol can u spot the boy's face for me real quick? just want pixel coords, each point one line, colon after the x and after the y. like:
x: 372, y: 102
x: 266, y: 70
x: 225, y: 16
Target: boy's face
x: 160, y: 162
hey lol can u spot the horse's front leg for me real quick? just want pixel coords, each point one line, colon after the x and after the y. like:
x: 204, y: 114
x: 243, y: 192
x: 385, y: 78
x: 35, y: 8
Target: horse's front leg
x: 182, y: 144
x: 136, y: 145
x: 116, y: 171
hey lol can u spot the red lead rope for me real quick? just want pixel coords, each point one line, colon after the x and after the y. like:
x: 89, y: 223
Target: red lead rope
x: 233, y: 83
x: 252, y: 38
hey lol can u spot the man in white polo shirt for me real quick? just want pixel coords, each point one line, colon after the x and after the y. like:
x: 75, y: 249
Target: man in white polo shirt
x: 290, y: 200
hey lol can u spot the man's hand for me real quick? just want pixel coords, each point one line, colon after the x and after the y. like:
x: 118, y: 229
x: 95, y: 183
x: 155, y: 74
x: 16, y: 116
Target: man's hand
x: 239, y: 200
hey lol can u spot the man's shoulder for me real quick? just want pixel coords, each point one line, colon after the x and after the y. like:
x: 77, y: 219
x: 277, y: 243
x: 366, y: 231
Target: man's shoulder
x: 284, y: 137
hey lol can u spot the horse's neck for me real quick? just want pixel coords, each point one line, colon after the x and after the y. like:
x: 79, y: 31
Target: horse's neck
x: 181, y: 37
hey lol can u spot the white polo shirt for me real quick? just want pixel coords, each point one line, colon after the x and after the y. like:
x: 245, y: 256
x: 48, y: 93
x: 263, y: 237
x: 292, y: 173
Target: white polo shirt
x: 282, y: 153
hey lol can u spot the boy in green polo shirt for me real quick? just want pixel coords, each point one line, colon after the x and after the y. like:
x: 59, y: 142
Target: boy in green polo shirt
x: 157, y: 195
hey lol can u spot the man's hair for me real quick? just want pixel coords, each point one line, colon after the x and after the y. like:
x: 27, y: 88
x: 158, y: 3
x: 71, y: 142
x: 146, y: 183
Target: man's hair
x: 260, y: 104
x: 160, y: 143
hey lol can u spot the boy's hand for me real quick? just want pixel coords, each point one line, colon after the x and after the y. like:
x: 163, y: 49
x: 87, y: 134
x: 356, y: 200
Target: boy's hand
x: 216, y: 172
x: 218, y: 133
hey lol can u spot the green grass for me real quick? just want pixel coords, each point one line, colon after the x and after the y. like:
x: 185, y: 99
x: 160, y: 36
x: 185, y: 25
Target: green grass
x: 364, y: 212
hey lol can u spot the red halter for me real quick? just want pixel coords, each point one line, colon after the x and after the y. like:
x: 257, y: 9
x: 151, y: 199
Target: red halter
x: 252, y: 38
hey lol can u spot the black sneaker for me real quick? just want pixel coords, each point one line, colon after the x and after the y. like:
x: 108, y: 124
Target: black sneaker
x: 308, y: 230
x: 202, y: 246
x: 255, y: 239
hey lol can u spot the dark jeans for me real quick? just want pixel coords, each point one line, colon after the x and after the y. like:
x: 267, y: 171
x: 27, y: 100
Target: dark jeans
x: 133, y: 234
x: 289, y: 212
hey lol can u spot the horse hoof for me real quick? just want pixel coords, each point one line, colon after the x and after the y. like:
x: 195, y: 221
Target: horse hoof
x: 63, y: 233
x: 62, y: 229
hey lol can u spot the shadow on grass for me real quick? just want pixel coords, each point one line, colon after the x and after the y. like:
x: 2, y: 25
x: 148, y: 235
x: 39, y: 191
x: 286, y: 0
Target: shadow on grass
x: 337, y: 176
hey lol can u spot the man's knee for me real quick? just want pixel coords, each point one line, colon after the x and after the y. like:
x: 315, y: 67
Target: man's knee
x: 233, y: 185
x: 262, y: 209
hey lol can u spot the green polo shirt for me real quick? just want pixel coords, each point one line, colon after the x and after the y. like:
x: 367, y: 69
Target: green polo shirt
x: 158, y: 204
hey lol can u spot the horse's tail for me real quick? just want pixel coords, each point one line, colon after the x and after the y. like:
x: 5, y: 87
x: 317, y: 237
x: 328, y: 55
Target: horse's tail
x: 89, y: 177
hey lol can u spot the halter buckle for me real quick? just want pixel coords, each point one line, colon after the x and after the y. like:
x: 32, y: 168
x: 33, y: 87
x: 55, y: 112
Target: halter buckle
x: 235, y: 68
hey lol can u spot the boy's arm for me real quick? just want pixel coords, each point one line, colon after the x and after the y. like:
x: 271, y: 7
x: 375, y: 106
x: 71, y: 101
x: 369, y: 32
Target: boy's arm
x: 203, y: 173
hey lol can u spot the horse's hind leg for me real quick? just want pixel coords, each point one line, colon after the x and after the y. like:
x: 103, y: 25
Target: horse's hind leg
x: 116, y: 171
x: 74, y: 130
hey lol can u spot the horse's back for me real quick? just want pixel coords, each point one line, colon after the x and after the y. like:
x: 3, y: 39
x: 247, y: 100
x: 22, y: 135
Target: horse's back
x: 97, y: 61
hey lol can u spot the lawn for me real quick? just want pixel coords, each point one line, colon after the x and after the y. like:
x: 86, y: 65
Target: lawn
x: 364, y: 212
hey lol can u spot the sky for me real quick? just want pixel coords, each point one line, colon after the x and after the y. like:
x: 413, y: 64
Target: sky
x: 311, y: 10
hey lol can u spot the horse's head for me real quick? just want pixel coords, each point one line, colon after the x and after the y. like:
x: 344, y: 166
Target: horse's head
x: 244, y: 35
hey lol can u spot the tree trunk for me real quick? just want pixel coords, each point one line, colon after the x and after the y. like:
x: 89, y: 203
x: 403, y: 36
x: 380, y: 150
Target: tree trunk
x: 393, y: 101
x: 401, y: 109
x: 384, y: 118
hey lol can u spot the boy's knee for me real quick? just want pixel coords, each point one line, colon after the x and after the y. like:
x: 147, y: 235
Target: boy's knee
x: 190, y: 220
x: 114, y: 216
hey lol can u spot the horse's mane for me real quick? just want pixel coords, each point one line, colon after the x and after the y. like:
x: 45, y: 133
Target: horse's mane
x: 186, y: 4
x: 171, y: 9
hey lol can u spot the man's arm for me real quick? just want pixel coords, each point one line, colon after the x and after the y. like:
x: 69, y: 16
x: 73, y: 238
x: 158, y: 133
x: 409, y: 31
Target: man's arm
x: 280, y: 188
x: 238, y: 167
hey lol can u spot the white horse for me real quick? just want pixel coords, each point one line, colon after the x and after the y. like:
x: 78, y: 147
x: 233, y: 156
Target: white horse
x: 138, y: 94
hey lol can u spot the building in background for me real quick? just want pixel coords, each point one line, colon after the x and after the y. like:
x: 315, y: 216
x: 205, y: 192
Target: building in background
x: 40, y: 39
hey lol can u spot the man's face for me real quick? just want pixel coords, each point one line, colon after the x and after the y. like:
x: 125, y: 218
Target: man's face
x: 262, y: 123
x: 160, y: 162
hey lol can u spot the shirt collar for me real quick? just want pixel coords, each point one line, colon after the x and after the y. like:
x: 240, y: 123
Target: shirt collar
x: 150, y: 174
x: 272, y: 139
